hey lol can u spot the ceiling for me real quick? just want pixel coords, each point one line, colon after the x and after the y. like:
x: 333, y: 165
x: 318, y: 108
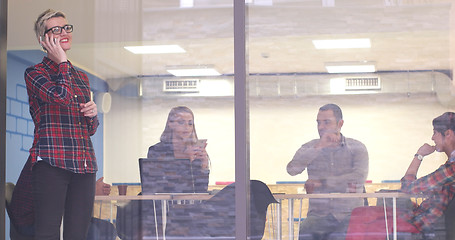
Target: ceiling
x: 406, y: 35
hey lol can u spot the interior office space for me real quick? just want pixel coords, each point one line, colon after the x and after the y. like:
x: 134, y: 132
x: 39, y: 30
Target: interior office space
x: 404, y: 48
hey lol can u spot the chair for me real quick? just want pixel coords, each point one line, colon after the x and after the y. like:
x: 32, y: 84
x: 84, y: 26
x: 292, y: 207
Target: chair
x: 215, y: 218
x: 14, y: 234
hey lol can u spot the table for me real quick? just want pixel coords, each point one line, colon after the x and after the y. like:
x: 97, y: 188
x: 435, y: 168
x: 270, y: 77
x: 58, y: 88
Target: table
x: 164, y: 198
x: 291, y: 197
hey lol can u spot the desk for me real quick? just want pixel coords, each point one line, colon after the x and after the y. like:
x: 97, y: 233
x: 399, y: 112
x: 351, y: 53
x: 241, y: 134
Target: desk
x: 163, y: 198
x: 291, y: 197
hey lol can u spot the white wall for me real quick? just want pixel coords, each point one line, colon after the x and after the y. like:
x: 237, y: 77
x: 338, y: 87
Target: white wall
x: 392, y: 126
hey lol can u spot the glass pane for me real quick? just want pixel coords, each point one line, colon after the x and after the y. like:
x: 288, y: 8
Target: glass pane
x: 135, y: 94
x: 405, y: 81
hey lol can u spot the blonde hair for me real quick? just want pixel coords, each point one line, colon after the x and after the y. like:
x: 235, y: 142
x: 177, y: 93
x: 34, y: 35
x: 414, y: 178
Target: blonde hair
x: 40, y: 24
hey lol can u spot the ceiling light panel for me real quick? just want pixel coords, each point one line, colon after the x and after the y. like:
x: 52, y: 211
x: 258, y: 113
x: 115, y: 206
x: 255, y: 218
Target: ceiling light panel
x: 194, y: 72
x: 351, y: 68
x: 186, y: 3
x: 155, y: 49
x: 342, y: 43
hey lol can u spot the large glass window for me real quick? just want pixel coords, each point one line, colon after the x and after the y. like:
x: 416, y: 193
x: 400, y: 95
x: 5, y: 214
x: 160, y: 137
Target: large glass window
x: 388, y: 64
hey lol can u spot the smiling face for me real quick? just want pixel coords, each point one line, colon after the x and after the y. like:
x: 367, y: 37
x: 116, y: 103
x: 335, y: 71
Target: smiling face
x: 64, y: 38
x: 182, y: 126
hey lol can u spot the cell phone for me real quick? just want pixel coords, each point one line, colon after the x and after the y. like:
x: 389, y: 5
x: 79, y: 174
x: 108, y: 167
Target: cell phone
x: 201, y: 143
x: 40, y: 40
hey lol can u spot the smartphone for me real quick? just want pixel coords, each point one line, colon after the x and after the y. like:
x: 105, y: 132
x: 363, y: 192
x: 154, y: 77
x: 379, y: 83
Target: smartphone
x: 40, y: 40
x: 201, y: 143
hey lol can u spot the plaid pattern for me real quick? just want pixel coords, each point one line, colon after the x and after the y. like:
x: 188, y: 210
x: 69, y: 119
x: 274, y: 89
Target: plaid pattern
x: 440, y: 189
x: 62, y: 132
x: 21, y: 206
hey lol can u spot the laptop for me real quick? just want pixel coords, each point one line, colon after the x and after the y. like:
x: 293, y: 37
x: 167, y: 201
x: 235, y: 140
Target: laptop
x: 166, y: 176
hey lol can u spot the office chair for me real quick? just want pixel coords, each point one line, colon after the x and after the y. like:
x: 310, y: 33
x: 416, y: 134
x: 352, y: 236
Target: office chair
x: 215, y: 218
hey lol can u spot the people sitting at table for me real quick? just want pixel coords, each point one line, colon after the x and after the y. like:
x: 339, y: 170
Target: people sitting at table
x: 335, y: 164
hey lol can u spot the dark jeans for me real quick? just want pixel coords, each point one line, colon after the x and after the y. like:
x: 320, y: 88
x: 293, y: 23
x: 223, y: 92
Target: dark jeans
x: 59, y: 192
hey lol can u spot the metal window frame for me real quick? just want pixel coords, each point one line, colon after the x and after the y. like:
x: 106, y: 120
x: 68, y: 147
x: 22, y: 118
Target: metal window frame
x: 242, y: 166
x: 3, y: 55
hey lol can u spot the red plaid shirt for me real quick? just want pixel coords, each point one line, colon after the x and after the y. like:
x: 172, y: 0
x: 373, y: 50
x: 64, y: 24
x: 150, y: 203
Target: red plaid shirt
x: 440, y: 189
x: 62, y: 133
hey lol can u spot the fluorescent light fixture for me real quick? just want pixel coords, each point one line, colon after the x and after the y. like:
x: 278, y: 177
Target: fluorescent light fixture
x: 193, y: 71
x: 155, y: 49
x: 328, y: 3
x: 342, y: 43
x: 350, y: 67
x: 186, y: 3
x: 263, y: 2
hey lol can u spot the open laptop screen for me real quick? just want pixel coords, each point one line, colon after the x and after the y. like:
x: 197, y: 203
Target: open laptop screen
x: 166, y: 176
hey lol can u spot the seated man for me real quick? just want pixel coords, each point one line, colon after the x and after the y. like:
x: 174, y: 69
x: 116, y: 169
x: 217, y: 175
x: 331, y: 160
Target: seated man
x: 439, y: 185
x: 438, y: 188
x: 335, y: 164
x: 21, y: 211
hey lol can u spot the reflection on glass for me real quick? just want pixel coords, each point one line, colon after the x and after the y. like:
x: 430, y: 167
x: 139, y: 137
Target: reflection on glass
x: 409, y: 44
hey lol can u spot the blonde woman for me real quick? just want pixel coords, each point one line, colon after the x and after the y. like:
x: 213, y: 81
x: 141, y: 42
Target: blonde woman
x: 62, y: 155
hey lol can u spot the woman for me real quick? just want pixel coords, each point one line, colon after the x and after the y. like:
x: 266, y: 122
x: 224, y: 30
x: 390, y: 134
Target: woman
x: 179, y: 141
x: 62, y: 155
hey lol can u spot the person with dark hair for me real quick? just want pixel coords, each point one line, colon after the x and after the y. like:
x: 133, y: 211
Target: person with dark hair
x: 335, y: 164
x: 439, y: 185
x: 62, y: 155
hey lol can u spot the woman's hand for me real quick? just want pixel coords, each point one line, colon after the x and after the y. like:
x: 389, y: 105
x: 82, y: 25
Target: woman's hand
x: 89, y: 109
x: 198, y: 152
x: 202, y: 154
x: 51, y: 43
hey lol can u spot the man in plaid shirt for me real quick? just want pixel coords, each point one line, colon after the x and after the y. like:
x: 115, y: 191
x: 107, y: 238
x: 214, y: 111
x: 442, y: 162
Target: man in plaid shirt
x: 439, y: 185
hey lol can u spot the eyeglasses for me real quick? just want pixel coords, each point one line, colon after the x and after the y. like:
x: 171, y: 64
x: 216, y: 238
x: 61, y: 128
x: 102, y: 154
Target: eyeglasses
x: 57, y: 29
